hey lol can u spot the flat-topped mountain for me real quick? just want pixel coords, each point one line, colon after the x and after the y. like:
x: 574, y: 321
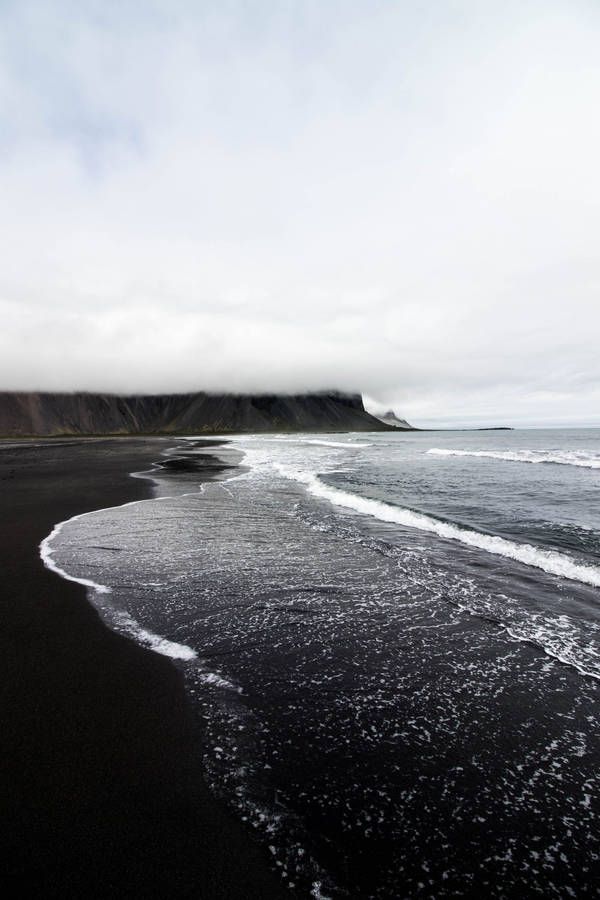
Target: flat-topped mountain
x: 95, y: 414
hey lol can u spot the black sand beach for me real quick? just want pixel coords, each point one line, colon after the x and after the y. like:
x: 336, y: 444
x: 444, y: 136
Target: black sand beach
x: 102, y: 790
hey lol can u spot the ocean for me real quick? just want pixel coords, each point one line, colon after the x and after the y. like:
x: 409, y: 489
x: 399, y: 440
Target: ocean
x: 392, y: 641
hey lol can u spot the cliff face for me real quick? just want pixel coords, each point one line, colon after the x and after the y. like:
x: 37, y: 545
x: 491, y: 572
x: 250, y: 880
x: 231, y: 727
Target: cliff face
x: 82, y: 413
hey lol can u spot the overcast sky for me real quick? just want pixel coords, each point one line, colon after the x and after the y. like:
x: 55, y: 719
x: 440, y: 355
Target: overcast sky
x: 401, y: 198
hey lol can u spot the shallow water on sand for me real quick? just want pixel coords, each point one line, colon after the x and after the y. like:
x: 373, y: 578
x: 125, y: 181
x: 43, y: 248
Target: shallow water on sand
x: 400, y: 709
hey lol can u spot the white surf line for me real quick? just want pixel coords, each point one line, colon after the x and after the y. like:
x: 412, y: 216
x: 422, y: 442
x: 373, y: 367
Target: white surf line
x: 156, y: 642
x: 535, y: 457
x: 46, y: 555
x: 336, y: 443
x: 46, y: 551
x: 565, y: 654
x: 548, y: 560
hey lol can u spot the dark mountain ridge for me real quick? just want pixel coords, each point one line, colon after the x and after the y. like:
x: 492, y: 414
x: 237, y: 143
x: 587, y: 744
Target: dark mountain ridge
x: 46, y: 414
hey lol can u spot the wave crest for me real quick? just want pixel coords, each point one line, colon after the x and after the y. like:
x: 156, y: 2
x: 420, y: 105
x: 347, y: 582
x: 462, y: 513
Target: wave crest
x: 580, y: 458
x: 548, y: 560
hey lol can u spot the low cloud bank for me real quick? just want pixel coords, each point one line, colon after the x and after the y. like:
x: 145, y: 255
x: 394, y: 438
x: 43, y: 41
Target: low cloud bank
x: 213, y: 200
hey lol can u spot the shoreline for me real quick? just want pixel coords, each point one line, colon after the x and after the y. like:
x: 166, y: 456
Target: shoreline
x: 102, y: 783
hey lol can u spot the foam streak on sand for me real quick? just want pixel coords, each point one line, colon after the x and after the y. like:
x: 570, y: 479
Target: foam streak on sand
x: 46, y: 555
x: 548, y: 560
x: 148, y: 638
x: 565, y: 458
x: 154, y: 641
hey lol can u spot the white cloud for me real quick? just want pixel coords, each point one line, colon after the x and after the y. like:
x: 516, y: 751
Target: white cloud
x: 292, y: 196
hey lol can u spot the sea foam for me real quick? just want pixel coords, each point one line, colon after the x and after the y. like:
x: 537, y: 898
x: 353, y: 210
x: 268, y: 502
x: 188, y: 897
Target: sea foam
x: 46, y: 555
x: 150, y: 639
x: 337, y: 443
x: 548, y: 560
x: 128, y: 624
x: 578, y: 458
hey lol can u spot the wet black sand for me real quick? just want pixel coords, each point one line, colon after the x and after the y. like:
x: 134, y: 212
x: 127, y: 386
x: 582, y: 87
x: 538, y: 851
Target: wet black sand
x: 101, y: 786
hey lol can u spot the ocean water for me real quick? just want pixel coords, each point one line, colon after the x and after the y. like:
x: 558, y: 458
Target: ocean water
x: 393, y: 641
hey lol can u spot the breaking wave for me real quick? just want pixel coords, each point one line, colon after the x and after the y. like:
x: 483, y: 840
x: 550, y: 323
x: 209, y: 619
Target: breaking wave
x: 579, y: 458
x: 338, y: 443
x: 548, y: 560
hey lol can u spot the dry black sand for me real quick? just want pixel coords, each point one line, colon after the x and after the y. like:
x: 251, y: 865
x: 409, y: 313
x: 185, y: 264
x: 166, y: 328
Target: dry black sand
x: 101, y: 784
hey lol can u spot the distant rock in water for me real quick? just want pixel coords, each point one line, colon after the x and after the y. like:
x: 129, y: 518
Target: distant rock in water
x: 390, y: 418
x: 84, y: 413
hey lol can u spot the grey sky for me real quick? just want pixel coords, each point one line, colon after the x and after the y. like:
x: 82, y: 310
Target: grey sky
x: 395, y: 197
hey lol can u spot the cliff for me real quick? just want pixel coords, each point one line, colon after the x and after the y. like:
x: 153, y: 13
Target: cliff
x: 85, y: 413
